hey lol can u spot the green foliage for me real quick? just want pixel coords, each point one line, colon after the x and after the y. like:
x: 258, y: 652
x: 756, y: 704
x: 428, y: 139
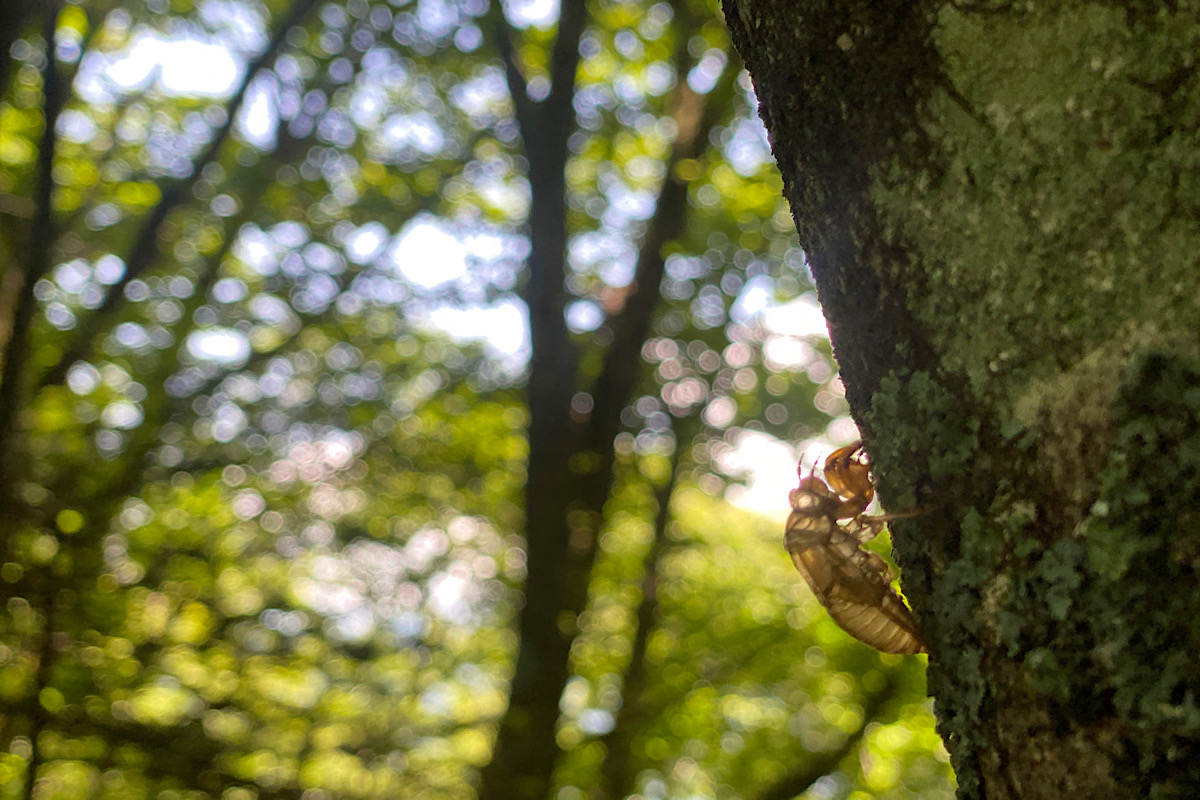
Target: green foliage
x: 746, y: 681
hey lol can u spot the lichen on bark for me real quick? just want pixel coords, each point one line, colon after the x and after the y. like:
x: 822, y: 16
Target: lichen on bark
x: 998, y: 205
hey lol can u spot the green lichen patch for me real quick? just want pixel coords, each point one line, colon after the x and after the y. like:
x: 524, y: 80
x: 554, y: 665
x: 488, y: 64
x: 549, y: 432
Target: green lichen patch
x: 1058, y: 142
x: 942, y: 581
x: 1084, y: 615
x: 1104, y: 621
x: 1141, y: 540
x: 937, y: 452
x: 1069, y: 415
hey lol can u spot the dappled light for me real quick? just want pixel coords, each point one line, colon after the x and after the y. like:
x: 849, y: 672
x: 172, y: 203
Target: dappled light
x: 286, y: 331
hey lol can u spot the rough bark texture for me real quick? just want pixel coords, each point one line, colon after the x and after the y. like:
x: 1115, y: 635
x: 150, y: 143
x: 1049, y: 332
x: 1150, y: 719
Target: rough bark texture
x: 999, y: 206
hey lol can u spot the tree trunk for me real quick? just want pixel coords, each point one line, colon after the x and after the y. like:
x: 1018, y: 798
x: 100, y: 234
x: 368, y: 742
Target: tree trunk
x: 999, y: 207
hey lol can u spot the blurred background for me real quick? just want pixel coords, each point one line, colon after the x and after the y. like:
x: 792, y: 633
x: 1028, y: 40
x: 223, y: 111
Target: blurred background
x: 399, y: 400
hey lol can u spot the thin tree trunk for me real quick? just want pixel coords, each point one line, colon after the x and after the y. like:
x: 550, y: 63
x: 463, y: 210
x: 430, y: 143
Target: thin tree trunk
x: 37, y: 260
x: 526, y: 749
x: 571, y: 456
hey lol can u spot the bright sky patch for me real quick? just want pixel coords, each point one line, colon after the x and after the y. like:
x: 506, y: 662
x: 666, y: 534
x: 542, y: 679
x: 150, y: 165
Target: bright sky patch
x: 427, y: 255
x: 223, y: 345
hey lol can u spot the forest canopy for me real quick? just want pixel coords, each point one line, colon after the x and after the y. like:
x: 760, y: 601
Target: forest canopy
x: 354, y: 350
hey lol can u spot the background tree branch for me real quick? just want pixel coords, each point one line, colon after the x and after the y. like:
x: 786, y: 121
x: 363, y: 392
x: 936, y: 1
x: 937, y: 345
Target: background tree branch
x: 817, y: 766
x: 617, y: 774
x: 525, y: 750
x: 41, y: 242
x: 143, y: 254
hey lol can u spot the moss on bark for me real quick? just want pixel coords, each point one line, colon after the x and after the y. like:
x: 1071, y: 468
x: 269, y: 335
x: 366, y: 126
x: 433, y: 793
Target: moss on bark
x: 998, y: 202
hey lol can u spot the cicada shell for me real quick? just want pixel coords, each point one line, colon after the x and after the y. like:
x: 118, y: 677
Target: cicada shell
x: 824, y: 535
x: 850, y: 479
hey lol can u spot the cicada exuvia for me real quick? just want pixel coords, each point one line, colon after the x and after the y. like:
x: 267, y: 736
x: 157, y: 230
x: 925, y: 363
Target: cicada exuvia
x: 824, y: 535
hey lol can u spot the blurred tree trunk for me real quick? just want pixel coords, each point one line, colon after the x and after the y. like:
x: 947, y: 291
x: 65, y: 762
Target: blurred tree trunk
x: 999, y: 208
x: 573, y: 420
x: 15, y: 16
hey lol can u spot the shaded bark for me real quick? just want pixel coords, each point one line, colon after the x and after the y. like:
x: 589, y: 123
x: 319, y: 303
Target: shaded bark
x: 974, y: 186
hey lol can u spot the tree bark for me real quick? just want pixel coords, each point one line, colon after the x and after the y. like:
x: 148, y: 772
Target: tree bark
x: 998, y: 205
